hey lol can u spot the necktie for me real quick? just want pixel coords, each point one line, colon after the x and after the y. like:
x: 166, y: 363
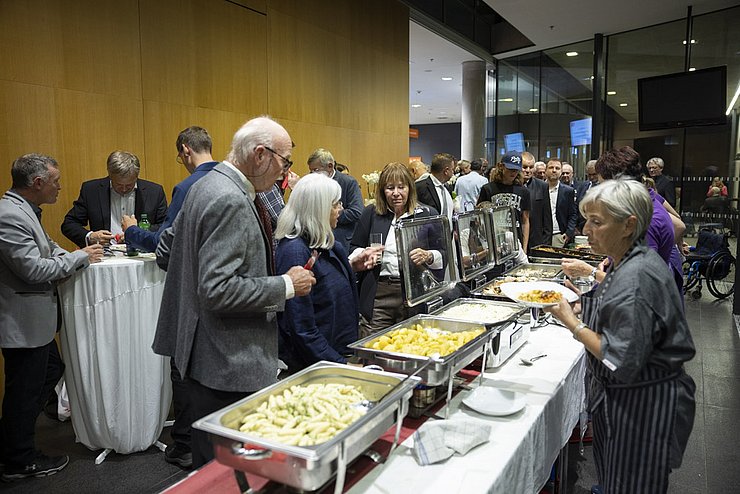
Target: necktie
x: 264, y: 217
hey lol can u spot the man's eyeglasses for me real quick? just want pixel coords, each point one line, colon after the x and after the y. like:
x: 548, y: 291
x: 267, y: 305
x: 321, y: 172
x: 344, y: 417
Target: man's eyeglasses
x: 286, y: 162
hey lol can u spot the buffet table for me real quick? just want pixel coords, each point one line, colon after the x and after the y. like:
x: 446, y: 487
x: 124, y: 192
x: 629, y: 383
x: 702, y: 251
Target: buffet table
x: 119, y: 390
x: 522, y: 447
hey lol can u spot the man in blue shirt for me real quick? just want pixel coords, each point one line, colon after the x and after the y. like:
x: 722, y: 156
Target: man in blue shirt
x: 194, y: 152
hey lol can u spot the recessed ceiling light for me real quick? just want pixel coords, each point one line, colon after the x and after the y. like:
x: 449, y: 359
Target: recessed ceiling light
x: 693, y: 42
x: 571, y: 54
x: 611, y: 93
x: 533, y: 109
x: 415, y: 106
x: 631, y: 121
x: 447, y: 78
x: 691, y: 69
x: 622, y: 104
x: 506, y: 100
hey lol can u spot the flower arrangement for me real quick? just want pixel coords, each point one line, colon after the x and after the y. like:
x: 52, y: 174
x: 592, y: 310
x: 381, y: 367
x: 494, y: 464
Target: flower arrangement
x: 372, y: 180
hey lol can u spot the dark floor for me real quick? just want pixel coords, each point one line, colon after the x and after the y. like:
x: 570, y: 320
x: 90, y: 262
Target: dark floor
x: 710, y: 464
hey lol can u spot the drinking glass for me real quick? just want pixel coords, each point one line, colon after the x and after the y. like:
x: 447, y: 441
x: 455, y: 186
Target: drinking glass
x: 376, y: 240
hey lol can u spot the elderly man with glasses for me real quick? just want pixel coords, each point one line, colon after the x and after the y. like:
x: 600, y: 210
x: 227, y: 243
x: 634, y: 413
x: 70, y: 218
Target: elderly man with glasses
x: 322, y: 161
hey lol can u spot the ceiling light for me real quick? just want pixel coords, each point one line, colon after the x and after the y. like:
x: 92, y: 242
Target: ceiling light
x: 631, y: 121
x: 447, y: 78
x: 691, y: 69
x: 693, y: 42
x: 416, y: 106
x: 622, y: 104
x: 734, y: 100
x: 533, y: 109
x: 506, y: 100
x: 571, y: 54
x: 611, y: 93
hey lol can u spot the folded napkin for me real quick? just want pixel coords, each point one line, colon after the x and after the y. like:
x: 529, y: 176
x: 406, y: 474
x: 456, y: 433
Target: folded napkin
x: 437, y: 440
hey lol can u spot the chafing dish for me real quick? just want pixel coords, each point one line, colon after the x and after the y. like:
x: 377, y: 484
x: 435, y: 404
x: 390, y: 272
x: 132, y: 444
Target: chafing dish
x: 523, y: 272
x: 547, y: 251
x: 310, y: 467
x: 441, y: 369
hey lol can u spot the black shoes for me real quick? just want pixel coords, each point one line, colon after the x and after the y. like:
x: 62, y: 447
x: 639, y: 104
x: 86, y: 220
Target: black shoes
x: 178, y: 455
x: 42, y: 466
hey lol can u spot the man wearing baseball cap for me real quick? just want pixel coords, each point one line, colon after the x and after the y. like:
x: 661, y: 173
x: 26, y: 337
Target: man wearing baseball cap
x: 505, y: 189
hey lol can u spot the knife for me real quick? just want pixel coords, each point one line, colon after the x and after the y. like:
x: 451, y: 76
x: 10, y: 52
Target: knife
x: 312, y: 260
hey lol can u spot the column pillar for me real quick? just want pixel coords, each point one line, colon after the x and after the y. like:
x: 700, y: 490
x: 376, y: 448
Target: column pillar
x: 473, y: 128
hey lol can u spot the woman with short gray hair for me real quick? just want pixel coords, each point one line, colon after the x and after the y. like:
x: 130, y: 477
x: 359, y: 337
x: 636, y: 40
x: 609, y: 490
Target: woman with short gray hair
x: 635, y: 331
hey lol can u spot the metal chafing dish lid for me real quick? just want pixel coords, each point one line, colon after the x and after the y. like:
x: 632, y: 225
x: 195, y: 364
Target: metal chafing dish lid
x: 473, y: 238
x: 422, y: 283
x: 501, y: 222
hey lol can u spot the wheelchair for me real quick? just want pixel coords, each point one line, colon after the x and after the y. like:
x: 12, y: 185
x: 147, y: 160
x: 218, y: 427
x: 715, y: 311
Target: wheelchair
x: 712, y: 262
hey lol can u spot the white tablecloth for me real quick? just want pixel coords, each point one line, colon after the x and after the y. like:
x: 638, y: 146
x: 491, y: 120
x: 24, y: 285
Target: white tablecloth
x: 522, y: 447
x: 119, y: 390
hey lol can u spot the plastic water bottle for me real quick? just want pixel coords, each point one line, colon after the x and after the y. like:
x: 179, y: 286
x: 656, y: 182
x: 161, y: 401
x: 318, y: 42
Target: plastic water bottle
x: 144, y: 222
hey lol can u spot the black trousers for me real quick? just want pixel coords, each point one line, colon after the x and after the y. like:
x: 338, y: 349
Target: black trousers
x: 183, y: 414
x: 204, y: 401
x: 30, y: 376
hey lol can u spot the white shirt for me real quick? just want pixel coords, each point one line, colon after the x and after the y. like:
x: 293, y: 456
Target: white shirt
x: 445, y: 199
x: 468, y: 189
x: 553, y: 207
x: 120, y: 205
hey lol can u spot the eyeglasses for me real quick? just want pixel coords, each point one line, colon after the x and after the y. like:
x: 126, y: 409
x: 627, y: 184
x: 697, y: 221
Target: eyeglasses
x: 286, y: 162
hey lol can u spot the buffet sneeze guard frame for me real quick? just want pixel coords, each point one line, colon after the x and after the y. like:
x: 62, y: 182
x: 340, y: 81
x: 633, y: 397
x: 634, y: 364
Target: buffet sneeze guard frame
x: 423, y: 283
x: 473, y: 235
x: 504, y: 233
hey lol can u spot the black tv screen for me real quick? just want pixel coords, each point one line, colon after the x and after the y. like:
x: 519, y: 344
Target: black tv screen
x: 685, y: 99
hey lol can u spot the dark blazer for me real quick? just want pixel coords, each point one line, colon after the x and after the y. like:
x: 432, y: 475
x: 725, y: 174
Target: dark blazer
x: 540, y: 214
x: 320, y: 325
x: 581, y: 188
x: 148, y: 240
x: 352, y: 205
x: 370, y: 222
x: 565, y: 210
x: 92, y: 208
x: 426, y: 193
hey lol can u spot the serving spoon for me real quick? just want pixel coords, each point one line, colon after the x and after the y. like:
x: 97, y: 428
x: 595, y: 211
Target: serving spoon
x: 531, y: 360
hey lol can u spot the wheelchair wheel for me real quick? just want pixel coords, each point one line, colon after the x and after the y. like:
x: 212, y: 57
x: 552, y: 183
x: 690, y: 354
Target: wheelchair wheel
x: 691, y: 275
x: 721, y: 275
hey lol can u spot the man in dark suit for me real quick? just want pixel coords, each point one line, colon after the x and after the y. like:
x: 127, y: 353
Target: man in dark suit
x: 432, y: 191
x: 663, y: 184
x: 540, y: 216
x: 592, y: 178
x: 322, y: 161
x: 562, y: 204
x: 31, y: 265
x: 218, y: 317
x: 104, y: 201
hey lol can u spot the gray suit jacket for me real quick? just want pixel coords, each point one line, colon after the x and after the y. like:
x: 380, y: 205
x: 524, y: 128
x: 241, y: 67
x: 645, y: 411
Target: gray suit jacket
x: 217, y: 318
x: 30, y: 265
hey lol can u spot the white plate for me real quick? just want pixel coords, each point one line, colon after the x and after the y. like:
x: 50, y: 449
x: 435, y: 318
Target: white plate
x: 493, y: 401
x: 514, y: 289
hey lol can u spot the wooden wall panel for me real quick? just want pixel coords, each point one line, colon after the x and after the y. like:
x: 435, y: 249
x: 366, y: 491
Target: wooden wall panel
x: 204, y: 53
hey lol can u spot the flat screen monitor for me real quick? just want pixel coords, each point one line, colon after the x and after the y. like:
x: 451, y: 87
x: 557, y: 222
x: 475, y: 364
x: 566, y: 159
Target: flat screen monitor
x: 685, y: 99
x: 514, y: 142
x: 580, y: 132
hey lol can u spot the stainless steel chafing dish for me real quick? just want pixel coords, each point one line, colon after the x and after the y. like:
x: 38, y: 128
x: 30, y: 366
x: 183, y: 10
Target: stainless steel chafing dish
x: 442, y: 368
x: 523, y: 272
x: 311, y: 467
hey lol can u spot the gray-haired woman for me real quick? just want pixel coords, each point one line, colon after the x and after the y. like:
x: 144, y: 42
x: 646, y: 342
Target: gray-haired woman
x: 633, y: 326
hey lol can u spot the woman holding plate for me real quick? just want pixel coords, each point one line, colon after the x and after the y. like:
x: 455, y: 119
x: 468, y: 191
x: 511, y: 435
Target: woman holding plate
x: 635, y: 331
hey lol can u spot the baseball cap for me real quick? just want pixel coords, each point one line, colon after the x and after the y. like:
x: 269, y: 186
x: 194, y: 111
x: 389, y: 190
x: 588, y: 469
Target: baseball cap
x: 512, y: 160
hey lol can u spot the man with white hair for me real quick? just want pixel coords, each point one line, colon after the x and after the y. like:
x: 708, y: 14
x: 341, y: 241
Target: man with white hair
x: 218, y: 316
x: 663, y: 184
x: 539, y: 170
x: 566, y: 174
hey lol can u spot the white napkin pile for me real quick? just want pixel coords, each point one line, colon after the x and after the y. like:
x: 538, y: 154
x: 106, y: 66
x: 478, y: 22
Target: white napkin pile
x: 437, y: 440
